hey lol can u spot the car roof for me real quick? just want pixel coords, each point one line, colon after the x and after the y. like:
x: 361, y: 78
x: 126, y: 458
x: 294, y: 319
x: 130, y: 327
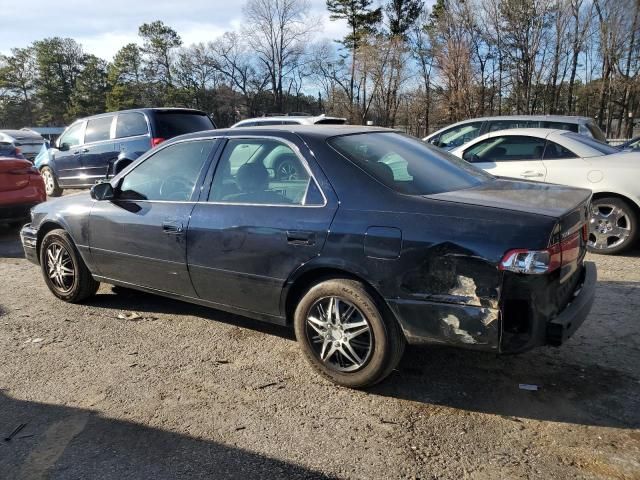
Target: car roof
x: 301, y: 118
x: 145, y: 110
x: 22, y: 134
x: 559, y: 118
x: 317, y: 131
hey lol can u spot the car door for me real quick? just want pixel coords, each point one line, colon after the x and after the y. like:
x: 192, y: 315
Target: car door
x: 255, y: 229
x: 132, y: 135
x: 139, y: 237
x: 514, y: 156
x: 98, y: 150
x: 65, y: 158
x: 457, y: 136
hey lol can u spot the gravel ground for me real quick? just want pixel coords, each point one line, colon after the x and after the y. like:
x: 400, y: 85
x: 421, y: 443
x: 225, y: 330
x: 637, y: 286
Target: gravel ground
x: 189, y: 392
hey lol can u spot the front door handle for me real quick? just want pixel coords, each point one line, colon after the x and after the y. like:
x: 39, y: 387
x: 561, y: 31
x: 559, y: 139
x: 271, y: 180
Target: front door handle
x: 297, y: 237
x: 172, y: 228
x: 531, y: 174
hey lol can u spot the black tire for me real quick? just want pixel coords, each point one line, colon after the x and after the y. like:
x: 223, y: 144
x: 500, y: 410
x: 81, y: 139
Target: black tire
x: 50, y: 182
x: 287, y: 170
x: 598, y: 223
x: 385, y: 338
x: 82, y: 285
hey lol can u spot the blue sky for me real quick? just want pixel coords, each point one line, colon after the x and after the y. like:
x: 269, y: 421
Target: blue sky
x: 103, y: 26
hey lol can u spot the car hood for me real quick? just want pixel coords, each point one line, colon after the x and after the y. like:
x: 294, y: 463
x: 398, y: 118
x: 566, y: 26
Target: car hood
x: 530, y: 197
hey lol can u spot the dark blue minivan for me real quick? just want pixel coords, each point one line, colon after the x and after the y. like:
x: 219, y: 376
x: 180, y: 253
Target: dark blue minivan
x: 90, y: 148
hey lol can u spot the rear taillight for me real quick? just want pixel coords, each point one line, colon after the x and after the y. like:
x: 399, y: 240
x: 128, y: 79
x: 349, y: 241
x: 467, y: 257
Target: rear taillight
x: 543, y: 261
x: 157, y: 141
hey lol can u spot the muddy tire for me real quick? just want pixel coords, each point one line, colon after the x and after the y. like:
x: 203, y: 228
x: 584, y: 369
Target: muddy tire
x: 345, y: 335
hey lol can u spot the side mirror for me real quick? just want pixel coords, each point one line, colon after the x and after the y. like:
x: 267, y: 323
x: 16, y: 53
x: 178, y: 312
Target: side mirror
x: 102, y: 191
x: 120, y: 165
x: 64, y: 147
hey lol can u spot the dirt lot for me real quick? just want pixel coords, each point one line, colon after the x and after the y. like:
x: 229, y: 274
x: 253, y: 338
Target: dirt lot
x: 187, y: 392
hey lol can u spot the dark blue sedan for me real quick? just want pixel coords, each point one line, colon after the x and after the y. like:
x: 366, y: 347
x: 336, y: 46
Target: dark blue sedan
x: 372, y: 239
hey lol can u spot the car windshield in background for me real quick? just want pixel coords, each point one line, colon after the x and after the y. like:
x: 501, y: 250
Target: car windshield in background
x: 407, y: 165
x: 172, y: 124
x: 603, y: 148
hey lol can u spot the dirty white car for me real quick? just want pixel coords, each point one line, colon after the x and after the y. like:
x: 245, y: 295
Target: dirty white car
x: 567, y: 158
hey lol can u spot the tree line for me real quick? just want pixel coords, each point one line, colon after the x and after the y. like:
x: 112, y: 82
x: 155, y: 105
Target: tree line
x: 401, y: 64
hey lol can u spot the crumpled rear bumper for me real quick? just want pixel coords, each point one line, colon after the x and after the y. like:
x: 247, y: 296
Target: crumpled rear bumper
x: 567, y: 322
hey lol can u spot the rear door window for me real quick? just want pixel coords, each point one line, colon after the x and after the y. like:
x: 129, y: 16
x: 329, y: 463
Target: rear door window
x: 553, y: 151
x: 506, y: 148
x: 495, y: 125
x: 570, y: 127
x: 98, y: 129
x: 131, y: 125
x: 172, y: 124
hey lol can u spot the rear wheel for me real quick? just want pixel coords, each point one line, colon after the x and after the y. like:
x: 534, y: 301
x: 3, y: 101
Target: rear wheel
x: 64, y: 271
x: 50, y: 182
x: 345, y: 335
x: 613, y: 226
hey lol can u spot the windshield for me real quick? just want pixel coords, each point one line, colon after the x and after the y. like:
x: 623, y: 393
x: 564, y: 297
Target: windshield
x: 406, y: 164
x: 603, y: 148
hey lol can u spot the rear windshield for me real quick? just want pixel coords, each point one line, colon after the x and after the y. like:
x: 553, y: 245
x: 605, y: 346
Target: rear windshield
x: 172, y: 124
x: 406, y: 164
x: 603, y: 148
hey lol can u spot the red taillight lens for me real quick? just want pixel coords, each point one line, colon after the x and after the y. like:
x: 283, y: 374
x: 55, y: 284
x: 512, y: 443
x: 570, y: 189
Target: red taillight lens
x: 585, y: 232
x: 543, y: 261
x: 157, y: 141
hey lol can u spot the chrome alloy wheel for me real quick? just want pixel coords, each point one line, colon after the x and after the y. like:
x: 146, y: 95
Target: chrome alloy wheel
x: 49, y: 182
x: 339, y: 334
x: 609, y: 226
x: 287, y: 171
x: 60, y: 268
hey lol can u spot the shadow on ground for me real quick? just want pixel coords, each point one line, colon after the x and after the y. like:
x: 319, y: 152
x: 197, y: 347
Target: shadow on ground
x: 586, y: 394
x: 61, y: 442
x: 10, y: 246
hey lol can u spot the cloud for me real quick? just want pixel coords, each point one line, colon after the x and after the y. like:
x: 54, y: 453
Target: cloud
x: 103, y: 27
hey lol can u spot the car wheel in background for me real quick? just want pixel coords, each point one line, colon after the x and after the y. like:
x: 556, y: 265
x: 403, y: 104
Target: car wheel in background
x: 345, y: 335
x: 64, y: 271
x: 50, y: 182
x: 287, y: 170
x: 613, y: 226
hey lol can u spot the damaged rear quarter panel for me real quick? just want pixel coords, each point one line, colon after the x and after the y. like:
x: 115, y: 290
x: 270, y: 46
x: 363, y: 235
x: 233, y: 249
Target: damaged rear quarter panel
x: 445, y: 286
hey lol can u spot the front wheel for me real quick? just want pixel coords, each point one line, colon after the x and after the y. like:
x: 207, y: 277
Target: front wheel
x: 50, y: 182
x: 345, y: 335
x: 64, y: 271
x: 613, y: 226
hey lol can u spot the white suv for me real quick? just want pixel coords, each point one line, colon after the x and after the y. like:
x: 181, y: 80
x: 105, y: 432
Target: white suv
x: 290, y: 120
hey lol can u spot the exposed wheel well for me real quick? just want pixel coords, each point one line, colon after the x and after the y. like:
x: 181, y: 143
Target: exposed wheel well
x: 312, y: 277
x: 42, y: 231
x: 633, y: 204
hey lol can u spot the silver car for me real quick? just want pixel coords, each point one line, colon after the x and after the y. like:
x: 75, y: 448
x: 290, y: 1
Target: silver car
x: 460, y: 133
x: 29, y: 143
x: 290, y: 120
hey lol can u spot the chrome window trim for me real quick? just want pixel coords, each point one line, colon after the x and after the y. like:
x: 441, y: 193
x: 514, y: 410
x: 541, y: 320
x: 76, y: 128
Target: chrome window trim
x: 111, y: 127
x: 135, y: 165
x: 296, y: 151
x: 146, y: 119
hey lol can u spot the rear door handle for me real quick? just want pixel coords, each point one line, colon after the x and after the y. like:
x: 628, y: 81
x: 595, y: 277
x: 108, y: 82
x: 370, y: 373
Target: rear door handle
x: 531, y: 174
x: 172, y: 228
x: 296, y: 237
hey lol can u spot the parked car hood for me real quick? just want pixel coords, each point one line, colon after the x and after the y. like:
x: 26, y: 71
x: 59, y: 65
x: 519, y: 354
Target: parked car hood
x: 530, y: 197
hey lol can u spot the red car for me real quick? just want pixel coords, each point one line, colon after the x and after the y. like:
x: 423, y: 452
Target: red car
x: 21, y: 187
